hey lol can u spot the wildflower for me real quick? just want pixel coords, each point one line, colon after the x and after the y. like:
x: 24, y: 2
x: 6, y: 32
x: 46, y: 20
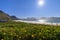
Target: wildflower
x: 25, y: 31
x: 43, y: 37
x: 11, y: 34
x: 33, y: 36
x: 4, y: 33
x: 20, y: 37
x: 2, y: 39
x: 40, y: 39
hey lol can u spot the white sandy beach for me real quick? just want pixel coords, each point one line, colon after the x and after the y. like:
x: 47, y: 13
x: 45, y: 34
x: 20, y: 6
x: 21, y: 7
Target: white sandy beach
x: 46, y: 23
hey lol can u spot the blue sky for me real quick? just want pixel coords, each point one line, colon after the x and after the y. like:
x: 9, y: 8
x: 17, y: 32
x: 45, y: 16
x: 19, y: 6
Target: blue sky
x: 30, y: 8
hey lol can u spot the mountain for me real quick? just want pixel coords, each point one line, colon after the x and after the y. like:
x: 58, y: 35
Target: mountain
x: 4, y: 16
x: 14, y: 18
x: 54, y: 18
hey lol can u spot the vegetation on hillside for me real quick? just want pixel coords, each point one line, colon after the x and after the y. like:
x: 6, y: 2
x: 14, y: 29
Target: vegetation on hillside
x: 25, y: 31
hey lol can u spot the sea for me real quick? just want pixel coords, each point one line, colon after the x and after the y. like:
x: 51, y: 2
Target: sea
x: 49, y: 20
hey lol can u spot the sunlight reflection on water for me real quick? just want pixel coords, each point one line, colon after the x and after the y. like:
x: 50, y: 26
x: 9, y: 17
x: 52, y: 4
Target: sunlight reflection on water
x: 42, y: 20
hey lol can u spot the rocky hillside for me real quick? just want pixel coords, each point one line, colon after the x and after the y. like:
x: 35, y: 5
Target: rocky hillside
x: 4, y: 16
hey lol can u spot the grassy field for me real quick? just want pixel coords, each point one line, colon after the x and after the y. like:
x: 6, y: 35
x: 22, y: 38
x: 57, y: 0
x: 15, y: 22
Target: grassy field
x: 25, y: 31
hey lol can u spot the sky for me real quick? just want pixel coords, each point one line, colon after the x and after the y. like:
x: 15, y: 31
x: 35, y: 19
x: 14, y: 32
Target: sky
x: 31, y: 8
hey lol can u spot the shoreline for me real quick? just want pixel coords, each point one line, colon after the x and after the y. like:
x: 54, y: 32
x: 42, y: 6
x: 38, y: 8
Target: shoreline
x: 33, y: 22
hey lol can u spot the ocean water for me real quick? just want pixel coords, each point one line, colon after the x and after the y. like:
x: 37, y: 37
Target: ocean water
x: 54, y: 21
x: 50, y: 21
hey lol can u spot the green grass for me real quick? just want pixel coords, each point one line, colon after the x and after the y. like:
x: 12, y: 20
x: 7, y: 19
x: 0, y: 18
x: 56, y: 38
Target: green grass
x: 26, y: 31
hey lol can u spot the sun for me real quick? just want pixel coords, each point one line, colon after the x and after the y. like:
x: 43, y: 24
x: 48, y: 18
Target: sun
x: 40, y: 2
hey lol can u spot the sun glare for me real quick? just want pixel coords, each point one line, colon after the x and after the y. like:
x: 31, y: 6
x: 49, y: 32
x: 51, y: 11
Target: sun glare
x: 40, y: 2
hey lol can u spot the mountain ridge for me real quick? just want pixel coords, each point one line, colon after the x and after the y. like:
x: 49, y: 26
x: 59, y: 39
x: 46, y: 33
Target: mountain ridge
x: 5, y: 16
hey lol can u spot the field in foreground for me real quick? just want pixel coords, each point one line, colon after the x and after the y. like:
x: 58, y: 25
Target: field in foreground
x: 25, y: 31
